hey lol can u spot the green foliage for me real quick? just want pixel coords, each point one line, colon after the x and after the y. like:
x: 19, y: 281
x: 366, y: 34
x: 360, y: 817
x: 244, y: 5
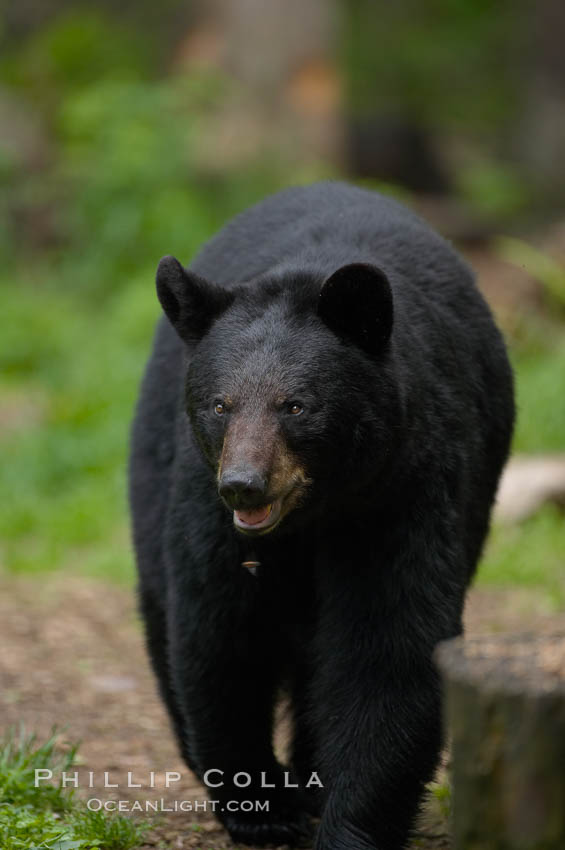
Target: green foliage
x: 540, y: 373
x: 20, y: 756
x: 127, y: 151
x: 113, y: 832
x: 442, y: 793
x: 531, y: 554
x: 455, y: 68
x: 25, y: 828
x: 69, y: 385
x: 48, y: 817
x: 448, y: 63
x: 121, y: 185
x: 493, y: 190
x: 75, y: 49
x: 538, y: 264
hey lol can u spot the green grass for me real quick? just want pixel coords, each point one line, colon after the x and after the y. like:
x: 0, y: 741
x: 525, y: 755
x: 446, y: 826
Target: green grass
x: 540, y: 385
x: 48, y: 817
x: 529, y: 555
x: 71, y: 369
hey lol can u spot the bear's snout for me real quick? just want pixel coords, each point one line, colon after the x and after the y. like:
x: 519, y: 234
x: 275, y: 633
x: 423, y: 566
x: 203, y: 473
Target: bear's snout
x: 258, y: 477
x: 243, y: 488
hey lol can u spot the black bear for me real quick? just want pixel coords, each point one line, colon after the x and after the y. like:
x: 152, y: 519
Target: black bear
x: 321, y: 429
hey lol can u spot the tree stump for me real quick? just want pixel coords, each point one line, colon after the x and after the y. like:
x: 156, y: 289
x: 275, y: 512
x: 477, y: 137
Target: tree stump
x: 505, y: 706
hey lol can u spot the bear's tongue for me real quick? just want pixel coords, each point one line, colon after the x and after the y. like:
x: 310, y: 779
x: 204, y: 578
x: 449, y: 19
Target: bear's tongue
x: 254, y: 517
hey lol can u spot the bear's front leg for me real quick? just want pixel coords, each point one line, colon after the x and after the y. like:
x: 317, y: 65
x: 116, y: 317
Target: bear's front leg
x: 378, y: 696
x: 224, y: 669
x: 380, y: 750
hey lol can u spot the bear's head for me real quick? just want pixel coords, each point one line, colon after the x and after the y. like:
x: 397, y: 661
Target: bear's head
x: 290, y: 387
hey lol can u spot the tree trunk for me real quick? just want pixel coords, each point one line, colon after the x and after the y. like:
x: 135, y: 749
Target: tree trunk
x: 540, y: 134
x: 505, y: 706
x: 280, y: 57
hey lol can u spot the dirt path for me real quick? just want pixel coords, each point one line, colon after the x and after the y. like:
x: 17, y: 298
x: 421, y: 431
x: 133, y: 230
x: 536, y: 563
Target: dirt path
x: 71, y: 654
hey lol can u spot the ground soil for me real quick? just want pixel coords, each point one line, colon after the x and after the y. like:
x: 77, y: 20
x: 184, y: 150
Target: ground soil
x: 72, y: 654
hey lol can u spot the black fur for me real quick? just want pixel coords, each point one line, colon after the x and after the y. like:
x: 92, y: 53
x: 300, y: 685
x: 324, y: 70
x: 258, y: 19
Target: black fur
x: 407, y: 403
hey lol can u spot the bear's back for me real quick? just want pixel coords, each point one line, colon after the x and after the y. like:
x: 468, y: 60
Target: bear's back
x: 321, y: 226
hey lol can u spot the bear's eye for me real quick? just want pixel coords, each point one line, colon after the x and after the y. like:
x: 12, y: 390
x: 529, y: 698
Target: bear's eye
x: 219, y: 408
x: 295, y: 409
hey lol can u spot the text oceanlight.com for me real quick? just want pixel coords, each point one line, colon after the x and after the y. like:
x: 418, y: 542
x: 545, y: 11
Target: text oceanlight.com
x: 95, y: 805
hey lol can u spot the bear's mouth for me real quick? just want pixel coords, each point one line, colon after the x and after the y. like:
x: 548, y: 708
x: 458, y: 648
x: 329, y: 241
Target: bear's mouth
x: 259, y: 520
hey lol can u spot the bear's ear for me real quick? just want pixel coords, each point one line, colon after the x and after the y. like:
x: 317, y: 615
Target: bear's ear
x: 356, y: 303
x: 190, y: 302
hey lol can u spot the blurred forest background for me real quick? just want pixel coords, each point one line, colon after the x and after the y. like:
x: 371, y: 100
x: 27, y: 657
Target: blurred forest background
x: 133, y: 130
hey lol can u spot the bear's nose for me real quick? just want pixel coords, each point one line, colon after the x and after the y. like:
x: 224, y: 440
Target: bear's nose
x: 243, y: 488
